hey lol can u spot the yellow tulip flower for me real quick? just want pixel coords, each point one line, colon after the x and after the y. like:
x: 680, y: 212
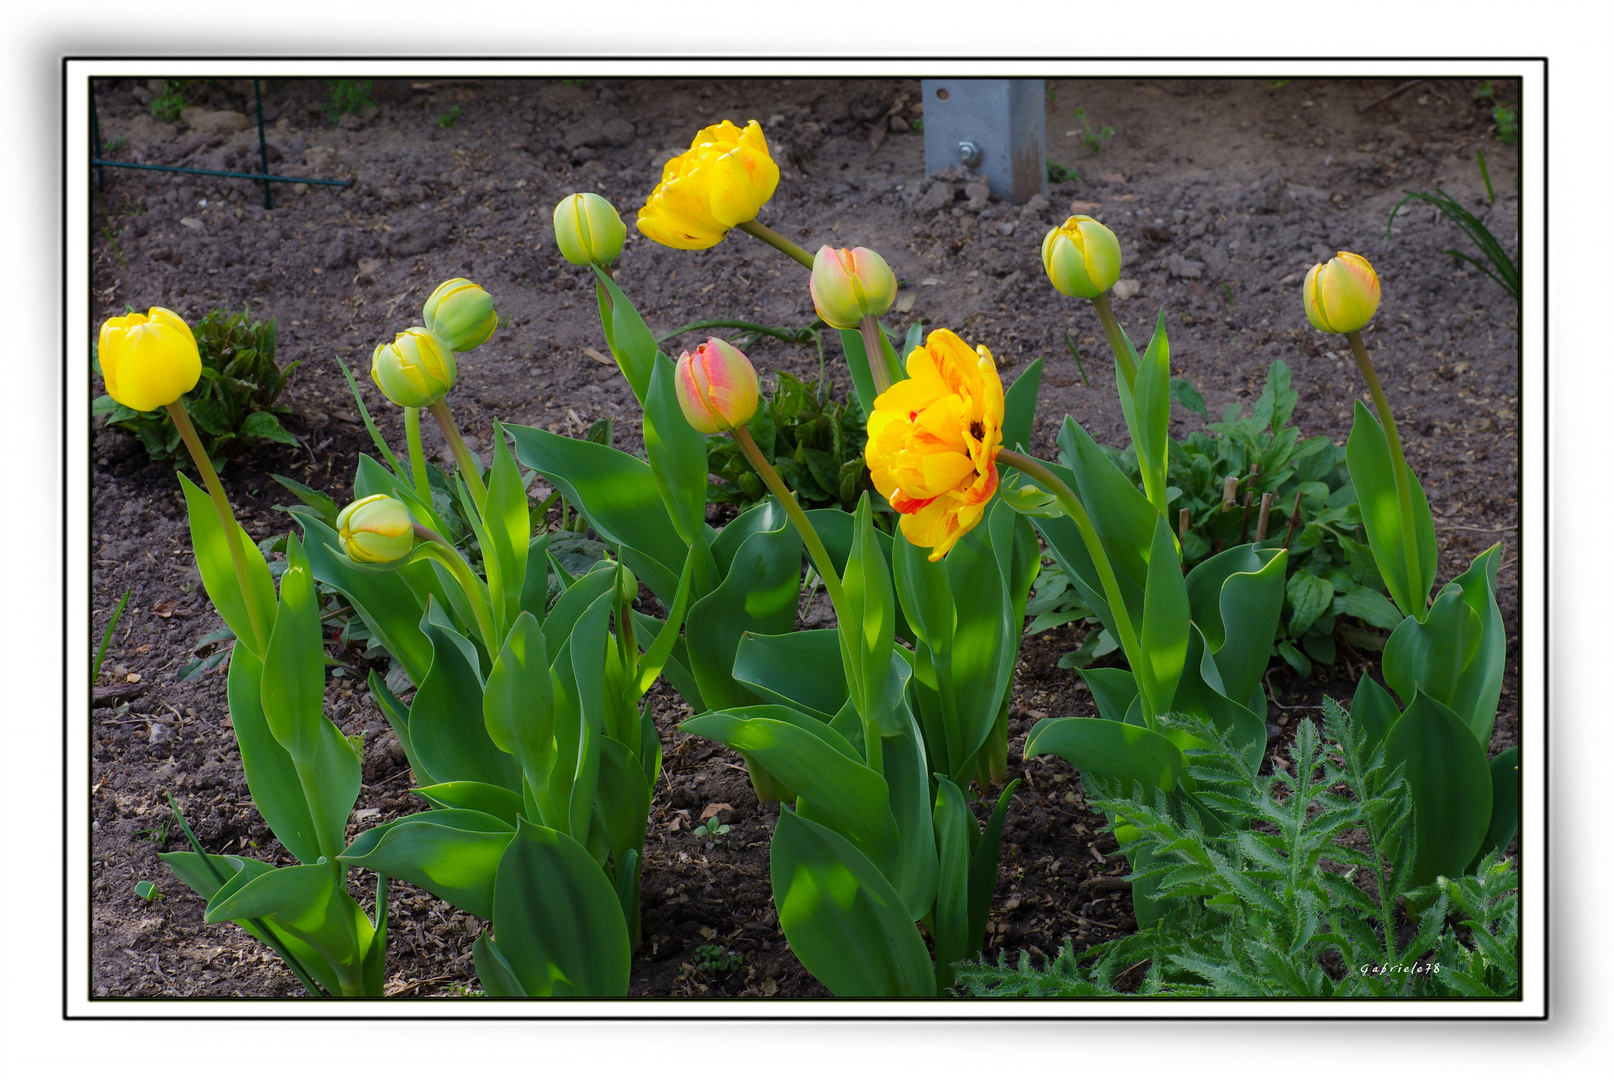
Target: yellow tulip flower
x: 723, y: 179
x: 934, y: 440
x: 148, y: 360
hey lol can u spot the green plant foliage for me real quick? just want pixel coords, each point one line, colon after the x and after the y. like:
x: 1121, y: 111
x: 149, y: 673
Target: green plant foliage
x: 347, y: 96
x: 1262, y: 911
x: 233, y: 402
x: 1334, y: 590
x: 1497, y: 266
x: 1058, y: 174
x: 167, y: 105
x: 815, y: 441
x: 450, y: 118
x: 1092, y: 136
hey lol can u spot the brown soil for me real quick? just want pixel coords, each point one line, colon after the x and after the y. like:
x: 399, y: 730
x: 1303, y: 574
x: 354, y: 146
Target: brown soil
x: 1249, y: 183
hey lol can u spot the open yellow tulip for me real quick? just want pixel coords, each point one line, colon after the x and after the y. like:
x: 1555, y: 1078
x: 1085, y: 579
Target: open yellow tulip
x: 723, y: 179
x: 148, y: 360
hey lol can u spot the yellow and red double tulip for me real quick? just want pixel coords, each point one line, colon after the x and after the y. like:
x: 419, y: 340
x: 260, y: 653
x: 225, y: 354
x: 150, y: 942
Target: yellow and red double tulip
x: 1341, y: 294
x: 148, y: 360
x: 723, y: 179
x: 934, y: 440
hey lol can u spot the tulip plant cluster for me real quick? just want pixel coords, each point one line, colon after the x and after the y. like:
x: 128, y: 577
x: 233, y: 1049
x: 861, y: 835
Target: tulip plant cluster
x: 528, y: 735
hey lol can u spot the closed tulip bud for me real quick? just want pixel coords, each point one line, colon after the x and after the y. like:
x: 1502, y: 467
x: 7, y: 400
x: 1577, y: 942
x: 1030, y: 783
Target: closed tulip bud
x: 376, y: 529
x: 148, y: 360
x: 588, y: 230
x: 1082, y: 257
x: 627, y: 586
x: 415, y: 370
x: 717, y: 387
x: 848, y: 284
x: 1341, y: 294
x: 460, y: 312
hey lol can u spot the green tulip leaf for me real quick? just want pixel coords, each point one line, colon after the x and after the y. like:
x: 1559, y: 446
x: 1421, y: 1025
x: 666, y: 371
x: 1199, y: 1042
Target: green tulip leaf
x: 1479, y: 684
x: 1020, y: 406
x: 450, y: 739
x: 271, y: 774
x: 956, y: 837
x: 1450, y: 784
x: 1431, y: 655
x: 1151, y: 389
x: 1125, y: 751
x: 1373, y: 710
x: 1113, y: 689
x: 557, y: 919
x: 844, y: 921
x: 866, y: 636
x: 217, y: 566
x: 629, y: 339
x: 452, y: 854
x: 508, y: 526
x: 677, y: 454
x: 801, y: 669
x: 493, y: 970
x: 518, y: 701
x: 490, y: 799
x: 1163, y: 637
x: 1367, y: 456
x: 1236, y: 600
x: 913, y: 874
x: 294, y: 664
x: 1504, y: 805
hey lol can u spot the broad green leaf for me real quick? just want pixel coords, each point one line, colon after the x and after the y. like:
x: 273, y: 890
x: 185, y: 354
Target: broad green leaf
x: 452, y: 854
x: 1371, y: 607
x: 1020, y: 406
x: 321, y: 503
x: 1450, y: 784
x: 1479, y: 686
x: 907, y: 775
x: 857, y: 362
x: 535, y: 585
x: 842, y: 918
x: 1373, y: 710
x: 618, y: 495
x: 397, y: 714
x: 304, y: 901
x: 331, y: 785
x: 1236, y: 599
x: 1310, y: 598
x: 866, y: 637
x: 758, y: 595
x: 518, y: 701
x: 801, y: 669
x: 294, y: 664
x: 1113, y: 689
x: 1504, y: 805
x: 1202, y: 692
x: 1432, y: 655
x: 660, y: 650
x: 1367, y: 456
x: 622, y: 799
x: 956, y: 836
x: 490, y: 799
x: 384, y: 601
x: 984, y: 864
x: 834, y: 790
x: 446, y: 727
x: 508, y: 526
x: 1151, y: 390
x: 677, y: 454
x: 557, y: 919
x: 493, y: 970
x: 217, y: 567
x: 630, y: 340
x: 1124, y: 751
x: 1184, y: 394
x: 265, y: 425
x: 271, y: 774
x: 1163, y: 635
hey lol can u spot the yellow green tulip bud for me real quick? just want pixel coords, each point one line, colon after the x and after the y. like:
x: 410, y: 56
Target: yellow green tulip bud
x: 849, y: 284
x: 461, y: 313
x: 414, y: 370
x: 1082, y: 257
x: 148, y: 360
x: 627, y: 586
x: 376, y: 529
x: 1341, y: 294
x: 588, y: 230
x: 717, y: 387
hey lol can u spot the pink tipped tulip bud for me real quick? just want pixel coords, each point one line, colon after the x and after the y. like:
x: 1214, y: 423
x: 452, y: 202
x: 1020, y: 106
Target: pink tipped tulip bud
x: 1082, y: 257
x: 1341, y: 294
x: 848, y: 284
x: 376, y: 529
x: 717, y: 387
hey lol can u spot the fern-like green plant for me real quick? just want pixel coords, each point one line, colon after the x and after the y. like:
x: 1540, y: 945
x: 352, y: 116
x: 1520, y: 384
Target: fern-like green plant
x: 1285, y: 886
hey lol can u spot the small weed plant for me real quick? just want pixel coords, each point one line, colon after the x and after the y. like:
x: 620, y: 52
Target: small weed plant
x: 1093, y: 137
x: 1058, y: 174
x: 450, y: 118
x: 167, y: 105
x: 347, y: 96
x: 1285, y: 885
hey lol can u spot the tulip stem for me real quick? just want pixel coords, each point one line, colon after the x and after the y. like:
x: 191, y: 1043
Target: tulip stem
x: 774, y: 240
x: 232, y: 530
x: 1095, y: 549
x: 470, y: 468
x: 873, y: 345
x: 809, y: 535
x: 417, y: 455
x: 439, y: 549
x: 1120, y: 344
x: 1398, y: 463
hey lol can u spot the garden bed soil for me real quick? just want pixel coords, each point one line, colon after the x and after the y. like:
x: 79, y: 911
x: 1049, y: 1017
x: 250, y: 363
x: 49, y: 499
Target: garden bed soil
x: 1222, y: 192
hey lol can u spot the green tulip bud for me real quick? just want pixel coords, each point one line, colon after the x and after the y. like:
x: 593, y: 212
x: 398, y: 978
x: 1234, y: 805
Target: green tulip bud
x: 376, y: 529
x: 461, y: 313
x: 415, y: 370
x: 588, y: 230
x: 1082, y: 257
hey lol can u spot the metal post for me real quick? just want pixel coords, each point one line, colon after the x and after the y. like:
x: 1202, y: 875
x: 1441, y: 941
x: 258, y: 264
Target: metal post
x: 996, y: 128
x: 263, y: 152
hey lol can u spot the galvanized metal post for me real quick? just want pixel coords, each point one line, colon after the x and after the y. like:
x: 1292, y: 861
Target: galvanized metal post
x: 994, y: 127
